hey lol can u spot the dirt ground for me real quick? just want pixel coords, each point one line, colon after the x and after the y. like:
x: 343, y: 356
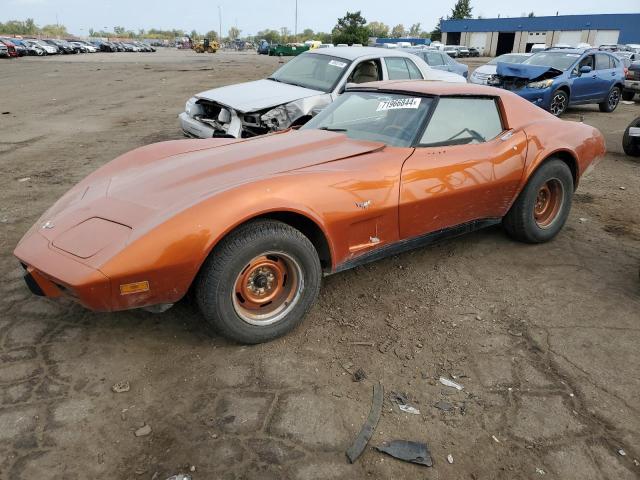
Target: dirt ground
x: 543, y: 338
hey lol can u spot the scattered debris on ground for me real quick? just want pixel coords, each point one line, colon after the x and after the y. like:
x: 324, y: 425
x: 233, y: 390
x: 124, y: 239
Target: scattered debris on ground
x: 408, y: 451
x: 121, y: 387
x: 450, y: 383
x: 143, y: 431
x: 361, y: 441
x: 450, y: 458
x: 359, y: 375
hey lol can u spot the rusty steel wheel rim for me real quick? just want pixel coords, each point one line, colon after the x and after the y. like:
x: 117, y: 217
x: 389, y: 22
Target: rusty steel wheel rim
x: 267, y: 288
x: 548, y: 203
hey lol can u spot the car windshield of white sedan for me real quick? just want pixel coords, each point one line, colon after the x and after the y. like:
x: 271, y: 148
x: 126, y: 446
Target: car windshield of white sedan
x: 391, y: 118
x: 558, y: 60
x: 315, y: 71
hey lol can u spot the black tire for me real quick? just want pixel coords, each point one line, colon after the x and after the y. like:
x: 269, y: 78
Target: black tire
x: 227, y: 266
x: 611, y: 102
x: 559, y: 102
x: 627, y: 95
x: 631, y: 145
x: 521, y: 222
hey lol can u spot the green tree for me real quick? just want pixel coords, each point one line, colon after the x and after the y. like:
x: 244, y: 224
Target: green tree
x: 54, y: 31
x: 234, y: 33
x: 378, y: 29
x: 194, y: 35
x: 324, y: 37
x: 351, y: 29
x: 120, y: 31
x: 307, y: 34
x: 211, y: 35
x: 462, y: 9
x: 436, y: 33
x: 271, y: 36
x: 285, y: 35
x: 415, y: 30
x: 398, y: 31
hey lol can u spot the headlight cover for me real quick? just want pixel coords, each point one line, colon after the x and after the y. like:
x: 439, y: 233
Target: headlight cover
x: 541, y: 84
x: 191, y: 108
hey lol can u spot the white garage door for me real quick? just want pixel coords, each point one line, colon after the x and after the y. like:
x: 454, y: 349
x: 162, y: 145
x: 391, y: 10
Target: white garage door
x: 478, y: 40
x: 604, y: 37
x: 571, y: 37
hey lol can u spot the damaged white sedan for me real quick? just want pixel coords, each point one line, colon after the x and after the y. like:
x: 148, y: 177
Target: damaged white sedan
x: 298, y: 90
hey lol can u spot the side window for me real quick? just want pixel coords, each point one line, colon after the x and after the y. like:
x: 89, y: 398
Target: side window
x: 414, y: 72
x: 397, y: 68
x: 602, y: 61
x: 366, y: 71
x: 446, y: 59
x: 434, y: 59
x: 461, y: 121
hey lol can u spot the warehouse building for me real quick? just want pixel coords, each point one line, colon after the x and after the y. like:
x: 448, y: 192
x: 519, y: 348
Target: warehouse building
x: 495, y: 36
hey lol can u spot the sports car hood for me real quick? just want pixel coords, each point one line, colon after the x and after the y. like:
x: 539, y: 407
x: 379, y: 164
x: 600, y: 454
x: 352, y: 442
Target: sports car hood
x: 528, y: 72
x: 143, y: 187
x: 257, y: 95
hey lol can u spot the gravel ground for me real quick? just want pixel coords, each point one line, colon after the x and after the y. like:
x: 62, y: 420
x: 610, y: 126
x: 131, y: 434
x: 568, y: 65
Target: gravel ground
x: 544, y: 338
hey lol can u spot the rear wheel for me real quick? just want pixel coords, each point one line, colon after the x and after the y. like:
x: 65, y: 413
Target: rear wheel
x: 259, y: 282
x: 612, y: 100
x: 631, y: 145
x: 542, y: 208
x: 559, y: 102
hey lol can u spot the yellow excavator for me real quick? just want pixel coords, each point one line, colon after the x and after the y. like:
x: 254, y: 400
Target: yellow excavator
x: 205, y: 45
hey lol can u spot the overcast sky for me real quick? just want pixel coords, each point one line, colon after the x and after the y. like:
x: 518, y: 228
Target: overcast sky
x: 254, y: 15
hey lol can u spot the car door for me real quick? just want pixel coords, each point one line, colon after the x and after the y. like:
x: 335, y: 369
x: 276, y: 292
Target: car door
x: 583, y: 85
x: 465, y: 168
x: 606, y: 73
x: 401, y: 68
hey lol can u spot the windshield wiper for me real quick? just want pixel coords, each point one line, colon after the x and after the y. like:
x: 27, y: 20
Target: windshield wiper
x: 329, y: 129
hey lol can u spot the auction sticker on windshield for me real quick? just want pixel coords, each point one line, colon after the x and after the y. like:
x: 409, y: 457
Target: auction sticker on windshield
x: 336, y: 63
x: 398, y: 103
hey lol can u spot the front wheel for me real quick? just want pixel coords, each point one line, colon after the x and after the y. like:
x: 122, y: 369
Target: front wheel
x: 611, y: 102
x: 542, y: 208
x: 631, y: 145
x: 259, y: 282
x: 559, y: 102
x: 627, y: 95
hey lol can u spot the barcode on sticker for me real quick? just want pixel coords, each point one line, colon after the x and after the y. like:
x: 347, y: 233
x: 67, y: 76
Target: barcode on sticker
x: 336, y: 63
x: 398, y: 103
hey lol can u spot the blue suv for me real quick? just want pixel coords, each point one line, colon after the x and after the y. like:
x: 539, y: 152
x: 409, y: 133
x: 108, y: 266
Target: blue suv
x: 556, y: 78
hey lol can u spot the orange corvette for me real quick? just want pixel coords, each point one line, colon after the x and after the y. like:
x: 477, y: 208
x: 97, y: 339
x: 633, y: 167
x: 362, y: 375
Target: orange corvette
x: 252, y: 224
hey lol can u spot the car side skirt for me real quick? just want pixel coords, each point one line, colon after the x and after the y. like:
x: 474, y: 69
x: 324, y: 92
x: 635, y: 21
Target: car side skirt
x: 416, y: 242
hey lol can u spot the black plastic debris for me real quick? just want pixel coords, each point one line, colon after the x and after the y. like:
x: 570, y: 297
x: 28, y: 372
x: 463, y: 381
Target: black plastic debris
x: 443, y: 405
x: 359, y: 375
x: 360, y: 443
x: 408, y: 451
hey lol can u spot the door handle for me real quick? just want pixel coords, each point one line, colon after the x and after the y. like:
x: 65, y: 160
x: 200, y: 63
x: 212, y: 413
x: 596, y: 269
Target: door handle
x: 594, y: 76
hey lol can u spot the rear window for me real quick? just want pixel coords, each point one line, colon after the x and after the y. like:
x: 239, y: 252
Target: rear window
x: 462, y: 121
x: 434, y: 58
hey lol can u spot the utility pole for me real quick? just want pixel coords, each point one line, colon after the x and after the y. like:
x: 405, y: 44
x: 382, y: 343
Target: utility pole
x: 220, y: 20
x: 295, y: 30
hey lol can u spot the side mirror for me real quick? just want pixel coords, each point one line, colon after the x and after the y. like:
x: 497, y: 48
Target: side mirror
x: 585, y: 69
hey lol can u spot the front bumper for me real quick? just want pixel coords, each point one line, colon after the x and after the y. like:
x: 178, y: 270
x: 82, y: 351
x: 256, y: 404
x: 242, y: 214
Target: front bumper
x: 53, y: 274
x: 193, y: 128
x: 633, y: 85
x: 538, y: 96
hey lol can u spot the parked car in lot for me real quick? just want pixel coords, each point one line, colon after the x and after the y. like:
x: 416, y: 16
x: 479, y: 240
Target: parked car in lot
x: 47, y: 47
x: 481, y: 74
x: 4, y: 51
x: 250, y: 226
x: 631, y: 81
x: 290, y: 96
x: 462, y: 51
x: 451, y: 50
x: 557, y: 78
x: 439, y: 60
x: 30, y: 49
x: 63, y: 47
x: 263, y: 47
x: 474, y: 52
x: 20, y: 49
x: 11, y: 48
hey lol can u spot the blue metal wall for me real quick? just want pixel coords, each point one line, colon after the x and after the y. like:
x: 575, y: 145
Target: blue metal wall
x: 413, y: 41
x: 627, y: 23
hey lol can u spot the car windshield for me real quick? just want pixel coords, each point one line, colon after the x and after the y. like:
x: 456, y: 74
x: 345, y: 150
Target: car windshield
x: 508, y: 58
x: 391, y: 118
x: 558, y: 60
x: 318, y: 72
